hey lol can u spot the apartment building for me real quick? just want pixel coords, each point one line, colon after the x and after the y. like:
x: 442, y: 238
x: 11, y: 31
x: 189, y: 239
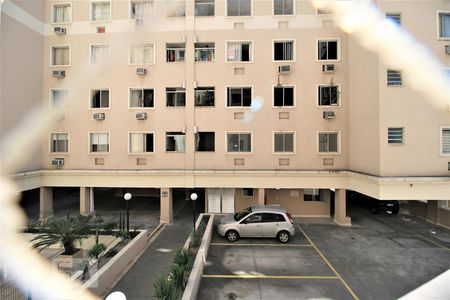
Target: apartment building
x: 249, y: 101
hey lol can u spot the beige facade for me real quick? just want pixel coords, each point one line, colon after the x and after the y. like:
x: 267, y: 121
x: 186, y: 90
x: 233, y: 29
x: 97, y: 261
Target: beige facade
x: 364, y: 107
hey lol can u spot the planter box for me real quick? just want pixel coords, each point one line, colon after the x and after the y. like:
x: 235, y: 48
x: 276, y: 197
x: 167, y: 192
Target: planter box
x: 68, y: 261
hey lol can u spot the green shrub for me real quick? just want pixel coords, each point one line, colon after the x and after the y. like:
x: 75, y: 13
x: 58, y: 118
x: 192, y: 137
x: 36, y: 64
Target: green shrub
x: 165, y: 289
x: 179, y: 275
x: 182, y: 257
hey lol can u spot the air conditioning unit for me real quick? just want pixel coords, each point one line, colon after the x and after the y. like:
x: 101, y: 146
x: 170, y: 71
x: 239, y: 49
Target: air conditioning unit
x: 447, y: 49
x: 60, y: 30
x: 59, y: 73
x: 98, y: 116
x: 58, y: 162
x: 141, y: 71
x: 141, y: 116
x: 284, y: 69
x: 328, y: 114
x: 139, y: 22
x: 328, y: 68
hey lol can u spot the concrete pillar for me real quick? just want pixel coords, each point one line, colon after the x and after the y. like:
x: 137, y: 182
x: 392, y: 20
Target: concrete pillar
x: 340, y: 209
x: 166, y: 206
x: 45, y: 202
x: 85, y: 201
x: 432, y: 211
x: 261, y: 196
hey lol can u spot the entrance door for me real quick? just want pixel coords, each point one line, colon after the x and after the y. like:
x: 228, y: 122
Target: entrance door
x: 220, y: 201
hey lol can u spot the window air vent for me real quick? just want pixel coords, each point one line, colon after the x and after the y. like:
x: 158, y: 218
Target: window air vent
x: 59, y: 73
x: 328, y: 68
x: 60, y: 30
x: 58, y: 162
x: 328, y: 114
x: 98, y: 116
x: 284, y: 69
x: 141, y: 116
x: 141, y: 71
x: 447, y: 49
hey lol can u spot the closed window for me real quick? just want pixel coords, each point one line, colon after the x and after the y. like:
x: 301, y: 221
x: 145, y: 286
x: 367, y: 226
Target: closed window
x: 101, y: 11
x: 99, y: 54
x: 176, y: 8
x: 283, y: 142
x: 59, y: 143
x: 395, y: 135
x: 139, y: 9
x: 445, y: 141
x: 239, y: 142
x: 394, y: 77
x: 239, y: 51
x: 205, y: 141
x: 204, y: 51
x: 142, y: 97
x: 239, y: 8
x: 204, y: 8
x: 255, y: 218
x: 60, y: 56
x: 142, y: 54
x: 394, y: 18
x: 100, y: 98
x: 328, y: 142
x: 239, y: 96
x: 141, y: 142
x: 204, y: 96
x: 62, y: 13
x: 247, y: 192
x: 58, y: 97
x: 283, y: 96
x: 272, y: 218
x: 444, y: 24
x: 327, y: 50
x: 328, y: 95
x: 176, y: 97
x: 283, y: 50
x: 175, y: 142
x: 311, y: 195
x: 283, y: 7
x: 175, y: 52
x: 99, y: 142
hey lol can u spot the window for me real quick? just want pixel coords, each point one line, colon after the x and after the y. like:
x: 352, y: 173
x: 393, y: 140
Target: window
x: 204, y: 8
x: 204, y: 96
x: 394, y: 18
x: 100, y: 98
x: 394, y: 78
x: 176, y: 97
x: 205, y: 141
x: 239, y: 51
x: 61, y: 13
x: 239, y: 142
x: 175, y: 52
x: 445, y: 204
x: 395, y: 135
x: 175, y: 142
x: 139, y: 9
x: 445, y: 141
x: 239, y: 96
x: 327, y: 50
x: 101, y: 11
x: 176, y: 8
x: 142, y: 54
x: 247, y: 192
x: 142, y: 97
x: 328, y: 95
x: 239, y: 8
x: 311, y: 195
x: 283, y: 142
x: 270, y: 218
x: 99, y: 54
x: 328, y: 142
x: 324, y: 11
x: 141, y: 142
x: 58, y: 97
x: 59, y: 143
x: 444, y: 25
x: 283, y: 7
x: 283, y: 96
x: 99, y: 142
x: 204, y: 51
x: 60, y: 56
x: 283, y: 51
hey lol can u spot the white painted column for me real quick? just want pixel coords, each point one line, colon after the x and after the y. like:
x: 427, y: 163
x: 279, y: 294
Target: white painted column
x: 261, y: 196
x: 85, y: 200
x: 166, y: 205
x: 340, y: 209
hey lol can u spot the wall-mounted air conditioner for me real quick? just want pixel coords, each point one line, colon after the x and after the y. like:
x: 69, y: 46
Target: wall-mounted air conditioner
x: 284, y: 69
x: 141, y: 116
x: 328, y: 68
x: 58, y: 162
x: 59, y: 73
x: 60, y: 30
x: 447, y: 49
x: 328, y: 114
x: 98, y: 116
x: 141, y: 71
x: 139, y: 22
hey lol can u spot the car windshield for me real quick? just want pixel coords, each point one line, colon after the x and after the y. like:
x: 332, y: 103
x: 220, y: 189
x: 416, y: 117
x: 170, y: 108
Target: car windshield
x: 238, y: 216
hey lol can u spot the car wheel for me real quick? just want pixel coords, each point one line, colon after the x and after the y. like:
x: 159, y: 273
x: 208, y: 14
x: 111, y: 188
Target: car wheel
x: 232, y: 235
x: 284, y: 236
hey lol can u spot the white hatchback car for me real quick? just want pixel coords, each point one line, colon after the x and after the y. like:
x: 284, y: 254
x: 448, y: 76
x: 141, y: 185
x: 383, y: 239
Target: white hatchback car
x: 258, y: 221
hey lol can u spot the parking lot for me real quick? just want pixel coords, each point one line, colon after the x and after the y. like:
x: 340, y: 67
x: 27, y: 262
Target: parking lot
x: 379, y: 257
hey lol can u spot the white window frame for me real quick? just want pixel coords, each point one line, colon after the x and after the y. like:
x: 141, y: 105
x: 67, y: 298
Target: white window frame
x: 91, y: 12
x: 251, y: 52
x: 252, y: 141
x: 441, y: 129
x: 140, y: 153
x: 130, y: 48
x: 237, y: 86
x: 211, y: 1
x: 174, y: 12
x: 175, y: 49
x: 176, y: 92
x: 50, y: 142
x: 294, y: 141
x: 284, y: 86
x: 206, y: 106
x: 338, y: 85
x: 141, y: 88
x: 152, y: 6
x: 291, y: 15
x: 438, y: 31
x: 338, y: 143
x: 51, y: 56
x: 294, y: 57
x: 403, y: 136
x: 107, y: 61
x: 249, y: 16
x: 100, y: 89
x: 165, y: 142
x: 331, y: 39
x: 109, y: 142
x: 53, y: 13
x: 198, y: 48
x: 51, y: 90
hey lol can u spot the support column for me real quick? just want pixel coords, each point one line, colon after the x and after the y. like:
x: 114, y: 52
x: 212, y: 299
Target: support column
x: 45, y: 203
x: 432, y: 211
x: 166, y: 206
x: 85, y: 200
x: 261, y: 196
x: 340, y: 209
